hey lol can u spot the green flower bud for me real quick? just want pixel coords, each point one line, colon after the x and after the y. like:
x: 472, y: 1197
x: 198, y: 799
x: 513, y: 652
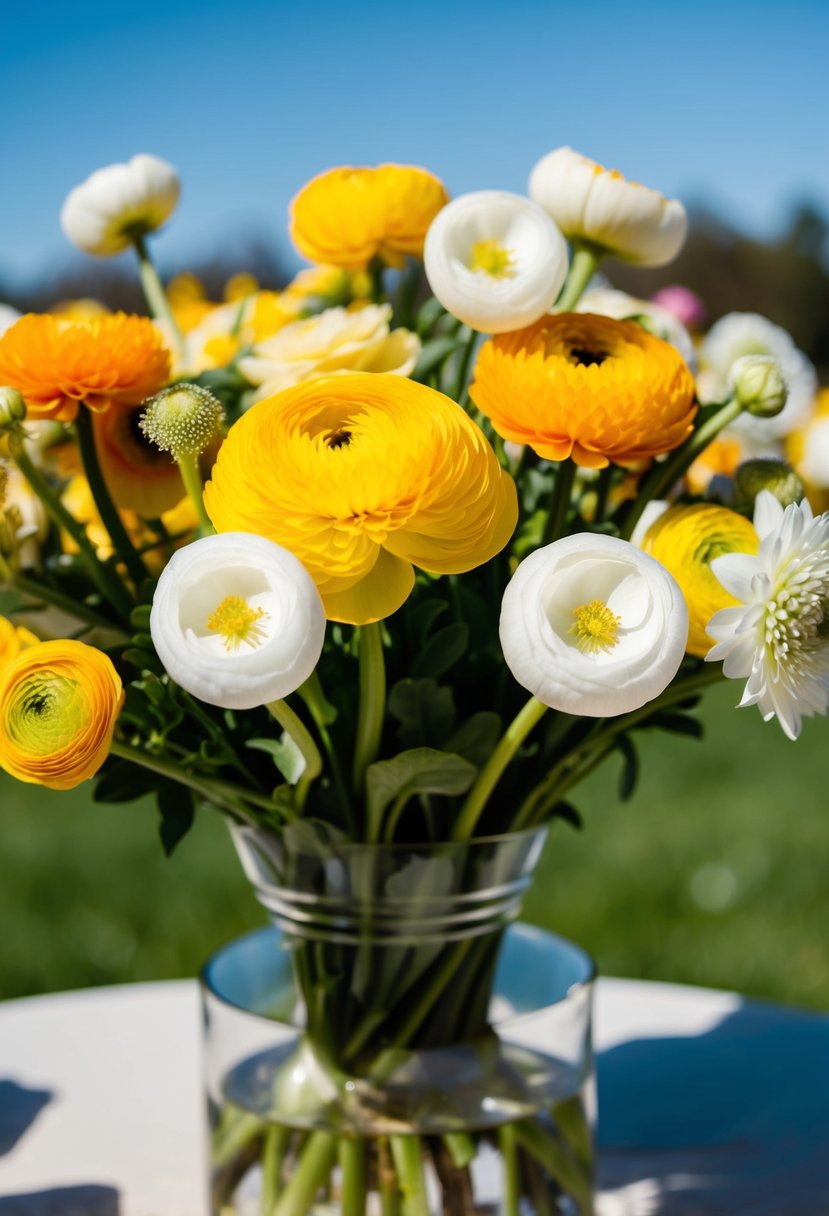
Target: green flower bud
x: 755, y: 475
x: 12, y: 409
x: 758, y: 385
x: 182, y: 419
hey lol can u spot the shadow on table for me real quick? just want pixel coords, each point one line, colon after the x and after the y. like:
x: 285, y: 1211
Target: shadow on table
x: 732, y: 1121
x: 19, y: 1107
x: 63, y: 1201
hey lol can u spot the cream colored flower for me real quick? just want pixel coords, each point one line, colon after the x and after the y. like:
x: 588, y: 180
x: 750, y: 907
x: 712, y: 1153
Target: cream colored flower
x: 597, y: 205
x: 104, y: 214
x: 495, y: 260
x: 337, y: 340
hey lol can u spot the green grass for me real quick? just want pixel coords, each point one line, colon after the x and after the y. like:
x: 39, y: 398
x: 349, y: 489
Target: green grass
x: 715, y: 873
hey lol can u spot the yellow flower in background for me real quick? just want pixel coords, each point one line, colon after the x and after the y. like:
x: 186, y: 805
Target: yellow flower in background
x: 363, y: 477
x: 78, y: 500
x: 358, y: 339
x: 139, y: 476
x: 584, y: 386
x: 59, y: 702
x: 13, y: 639
x: 347, y: 216
x: 57, y: 364
x: 83, y: 309
x: 686, y: 540
x: 807, y: 450
x: 718, y: 459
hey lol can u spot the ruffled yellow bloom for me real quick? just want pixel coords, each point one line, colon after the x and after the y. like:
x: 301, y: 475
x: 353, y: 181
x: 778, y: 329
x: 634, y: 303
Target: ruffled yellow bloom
x: 13, y: 639
x: 363, y: 477
x: 584, y: 386
x: 686, y: 540
x: 56, y: 364
x: 347, y: 216
x: 59, y: 702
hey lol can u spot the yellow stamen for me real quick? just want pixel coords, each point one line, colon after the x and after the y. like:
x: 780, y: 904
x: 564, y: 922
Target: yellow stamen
x: 238, y: 622
x: 493, y: 259
x: 595, y: 628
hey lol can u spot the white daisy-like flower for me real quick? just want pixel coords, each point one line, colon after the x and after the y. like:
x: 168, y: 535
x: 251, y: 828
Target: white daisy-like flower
x: 778, y: 637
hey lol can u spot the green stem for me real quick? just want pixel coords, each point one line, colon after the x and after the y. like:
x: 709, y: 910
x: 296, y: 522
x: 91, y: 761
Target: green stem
x: 666, y: 473
x: 557, y: 518
x: 324, y: 714
x: 312, y: 1170
x: 105, y: 578
x: 154, y: 292
x: 567, y: 1173
x: 389, y: 1191
x: 408, y: 1161
x: 293, y: 726
x: 464, y: 363
x: 188, y: 466
x: 511, y: 1189
x: 277, y: 1140
x: 461, y: 1148
x: 582, y: 268
x: 372, y: 701
x: 121, y: 541
x: 72, y: 607
x: 489, y: 776
x: 352, y: 1156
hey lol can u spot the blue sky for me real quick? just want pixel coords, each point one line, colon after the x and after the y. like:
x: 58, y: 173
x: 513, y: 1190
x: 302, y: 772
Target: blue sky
x: 723, y: 103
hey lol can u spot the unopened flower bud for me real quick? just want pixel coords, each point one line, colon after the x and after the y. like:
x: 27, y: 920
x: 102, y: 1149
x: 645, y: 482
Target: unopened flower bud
x: 12, y: 408
x: 766, y: 474
x: 757, y: 383
x: 182, y: 419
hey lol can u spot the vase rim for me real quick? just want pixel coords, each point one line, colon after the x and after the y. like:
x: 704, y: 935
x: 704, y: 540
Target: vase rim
x: 351, y: 846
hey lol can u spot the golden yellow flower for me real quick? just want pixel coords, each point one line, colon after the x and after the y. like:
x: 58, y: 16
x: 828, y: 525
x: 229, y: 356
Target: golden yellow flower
x: 347, y: 216
x: 56, y: 364
x: 719, y: 459
x: 83, y: 309
x: 13, y: 639
x: 686, y: 540
x: 59, y: 702
x: 139, y: 476
x: 807, y: 450
x: 363, y: 477
x: 584, y: 386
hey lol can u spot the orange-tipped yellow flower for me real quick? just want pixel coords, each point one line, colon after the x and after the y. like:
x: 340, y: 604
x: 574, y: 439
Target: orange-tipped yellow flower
x: 13, y: 639
x: 59, y: 702
x: 363, y: 477
x: 56, y: 364
x: 686, y: 540
x: 139, y: 476
x: 584, y: 386
x: 347, y: 216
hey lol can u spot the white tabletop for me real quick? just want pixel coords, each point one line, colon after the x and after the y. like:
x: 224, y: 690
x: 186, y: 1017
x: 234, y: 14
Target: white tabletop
x: 708, y: 1104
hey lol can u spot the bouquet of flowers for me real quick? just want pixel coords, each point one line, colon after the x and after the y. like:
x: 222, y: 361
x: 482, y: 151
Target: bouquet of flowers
x: 383, y: 591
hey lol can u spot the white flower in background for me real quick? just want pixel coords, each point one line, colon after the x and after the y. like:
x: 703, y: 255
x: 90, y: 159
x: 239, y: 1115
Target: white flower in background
x: 778, y: 638
x: 8, y: 316
x: 747, y: 333
x: 814, y: 463
x: 115, y: 204
x: 592, y: 625
x: 237, y: 620
x: 598, y: 205
x: 608, y: 302
x: 338, y: 340
x: 495, y: 260
x: 26, y: 514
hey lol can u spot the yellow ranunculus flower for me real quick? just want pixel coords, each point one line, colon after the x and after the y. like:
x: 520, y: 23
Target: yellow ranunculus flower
x: 13, y: 639
x: 59, y: 702
x: 363, y: 477
x: 347, y: 216
x: 686, y: 540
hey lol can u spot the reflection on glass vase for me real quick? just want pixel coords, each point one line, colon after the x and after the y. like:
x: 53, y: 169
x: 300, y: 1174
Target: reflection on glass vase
x: 392, y: 1047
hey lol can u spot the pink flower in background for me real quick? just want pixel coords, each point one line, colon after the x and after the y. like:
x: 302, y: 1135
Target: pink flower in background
x: 685, y: 304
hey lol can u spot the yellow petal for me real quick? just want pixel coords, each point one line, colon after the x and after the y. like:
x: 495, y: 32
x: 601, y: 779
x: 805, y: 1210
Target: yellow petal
x: 376, y: 596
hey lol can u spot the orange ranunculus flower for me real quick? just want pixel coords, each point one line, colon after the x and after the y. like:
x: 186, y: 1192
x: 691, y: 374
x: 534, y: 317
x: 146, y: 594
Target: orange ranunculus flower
x: 363, y: 477
x: 139, y: 476
x: 347, y: 216
x: 589, y: 387
x: 59, y: 702
x: 13, y: 639
x: 56, y: 364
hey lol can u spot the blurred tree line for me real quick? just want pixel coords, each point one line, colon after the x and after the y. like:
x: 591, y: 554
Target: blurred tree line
x: 786, y: 279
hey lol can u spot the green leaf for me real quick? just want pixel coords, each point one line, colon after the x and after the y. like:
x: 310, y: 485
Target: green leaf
x: 285, y: 754
x: 678, y: 724
x: 143, y: 660
x: 629, y: 777
x: 428, y: 315
x: 442, y: 651
x: 140, y: 617
x: 424, y: 710
x: 476, y: 737
x: 433, y: 354
x: 566, y: 810
x: 423, y: 618
x: 123, y: 782
x: 420, y: 771
x: 177, y: 810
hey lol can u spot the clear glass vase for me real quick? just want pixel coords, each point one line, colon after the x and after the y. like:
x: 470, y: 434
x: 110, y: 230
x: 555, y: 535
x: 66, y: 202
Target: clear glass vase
x: 392, y: 1047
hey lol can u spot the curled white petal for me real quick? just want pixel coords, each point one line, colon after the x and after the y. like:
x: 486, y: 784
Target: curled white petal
x: 286, y: 644
x: 104, y: 213
x: 540, y: 608
x: 533, y: 257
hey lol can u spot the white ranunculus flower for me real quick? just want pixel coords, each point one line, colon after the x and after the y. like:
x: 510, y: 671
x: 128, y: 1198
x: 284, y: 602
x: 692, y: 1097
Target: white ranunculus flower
x: 591, y: 203
x: 591, y: 625
x: 237, y: 620
x: 609, y: 302
x: 495, y: 260
x: 747, y: 333
x: 336, y: 340
x: 103, y: 214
